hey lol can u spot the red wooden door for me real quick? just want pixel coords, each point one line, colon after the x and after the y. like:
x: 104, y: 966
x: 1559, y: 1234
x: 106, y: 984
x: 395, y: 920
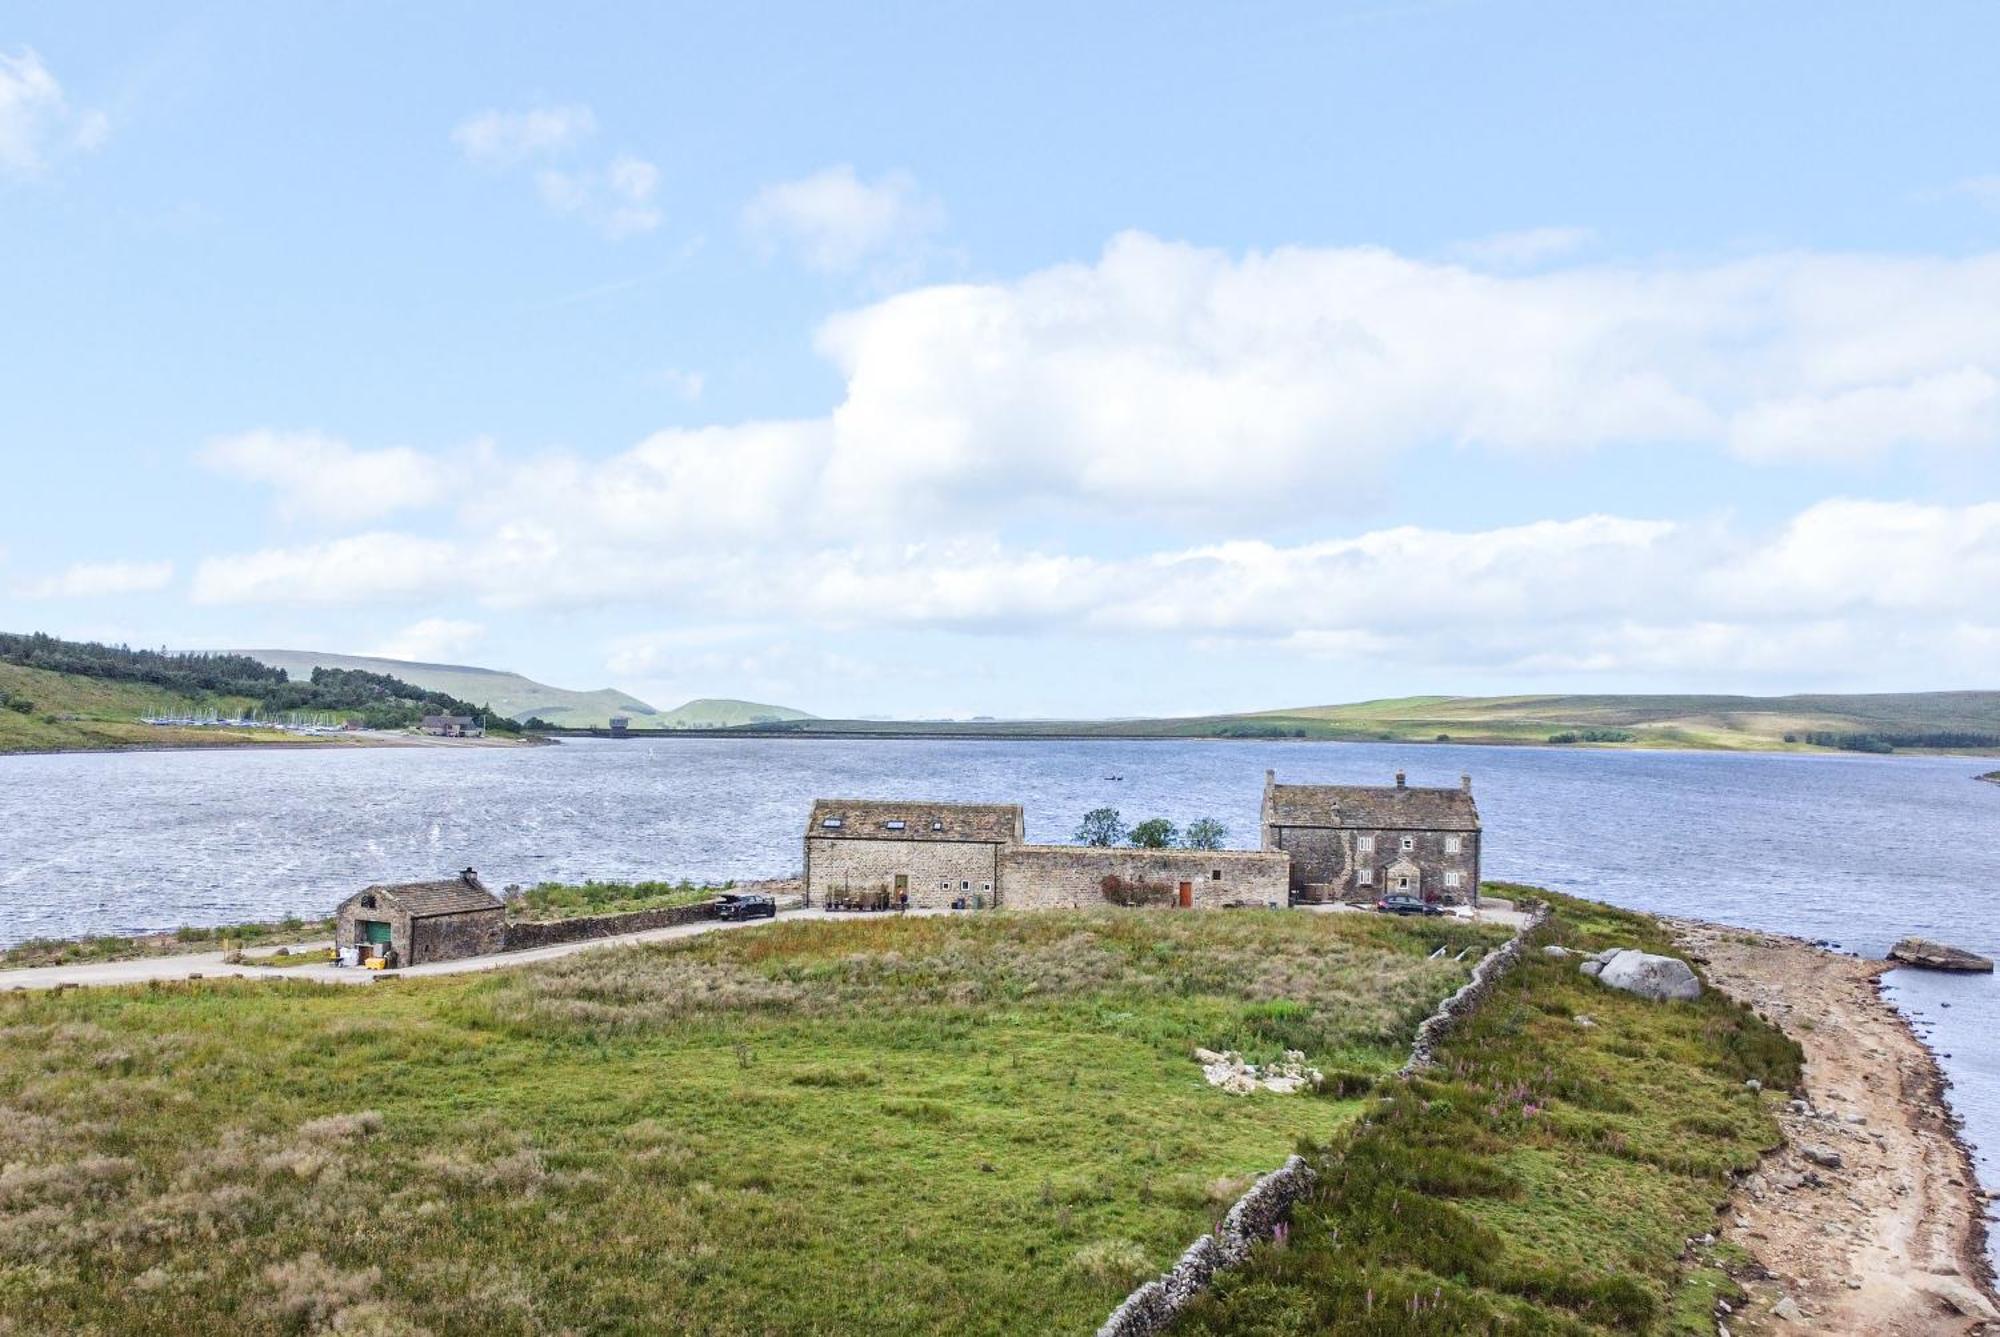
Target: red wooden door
x: 1187, y: 895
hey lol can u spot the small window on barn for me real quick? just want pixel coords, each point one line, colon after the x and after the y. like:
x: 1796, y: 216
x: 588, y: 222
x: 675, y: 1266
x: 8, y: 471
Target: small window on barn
x: 897, y: 825
x: 1451, y: 844
x: 1451, y: 877
x: 937, y: 826
x: 1365, y: 845
x: 965, y: 886
x: 1215, y: 874
x: 1409, y: 843
x: 944, y: 884
x: 832, y: 823
x: 1364, y: 876
x: 368, y: 902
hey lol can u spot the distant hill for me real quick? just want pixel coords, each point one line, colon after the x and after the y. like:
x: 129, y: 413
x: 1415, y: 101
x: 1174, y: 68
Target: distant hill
x: 710, y: 712
x: 517, y: 697
x: 1893, y: 721
x: 508, y: 693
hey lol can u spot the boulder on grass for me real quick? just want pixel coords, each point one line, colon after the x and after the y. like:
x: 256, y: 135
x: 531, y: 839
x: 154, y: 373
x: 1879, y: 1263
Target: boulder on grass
x: 1926, y: 954
x: 1656, y: 977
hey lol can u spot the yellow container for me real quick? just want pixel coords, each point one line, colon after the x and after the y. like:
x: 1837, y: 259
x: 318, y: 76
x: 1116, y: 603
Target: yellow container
x: 374, y: 963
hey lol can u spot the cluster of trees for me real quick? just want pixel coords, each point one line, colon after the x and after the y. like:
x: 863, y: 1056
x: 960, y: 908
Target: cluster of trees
x: 375, y: 700
x: 1103, y: 826
x: 1591, y: 736
x: 1889, y: 742
x: 228, y: 675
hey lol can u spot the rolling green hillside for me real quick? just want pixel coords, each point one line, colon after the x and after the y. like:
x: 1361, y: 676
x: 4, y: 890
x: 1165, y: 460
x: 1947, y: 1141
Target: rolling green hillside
x: 711, y: 712
x: 1938, y: 721
x: 509, y: 693
x: 65, y: 711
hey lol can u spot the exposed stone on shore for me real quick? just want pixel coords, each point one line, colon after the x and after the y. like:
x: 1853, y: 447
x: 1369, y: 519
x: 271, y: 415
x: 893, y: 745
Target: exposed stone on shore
x: 1928, y: 954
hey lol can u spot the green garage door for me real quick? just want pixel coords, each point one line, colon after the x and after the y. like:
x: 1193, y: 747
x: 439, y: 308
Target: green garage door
x: 374, y: 931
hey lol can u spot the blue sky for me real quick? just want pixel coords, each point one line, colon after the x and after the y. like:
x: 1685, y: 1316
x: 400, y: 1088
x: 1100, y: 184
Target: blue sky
x: 1013, y: 360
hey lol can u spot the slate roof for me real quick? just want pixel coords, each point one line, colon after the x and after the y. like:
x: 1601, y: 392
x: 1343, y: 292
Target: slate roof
x: 1380, y: 807
x: 869, y: 819
x: 459, y: 895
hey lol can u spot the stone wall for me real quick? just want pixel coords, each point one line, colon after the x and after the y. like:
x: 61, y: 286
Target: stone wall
x: 1470, y: 995
x: 352, y: 912
x: 1071, y: 877
x: 523, y: 934
x: 938, y: 871
x: 451, y: 937
x: 1154, y: 1306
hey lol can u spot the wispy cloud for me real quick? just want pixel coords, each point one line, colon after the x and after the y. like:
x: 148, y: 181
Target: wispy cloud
x: 617, y: 196
x: 37, y: 123
x: 431, y: 640
x: 320, y: 477
x: 836, y: 223
x: 89, y: 580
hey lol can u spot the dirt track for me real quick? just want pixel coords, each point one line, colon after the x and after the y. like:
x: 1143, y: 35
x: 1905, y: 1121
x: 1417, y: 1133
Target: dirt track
x: 1869, y: 1217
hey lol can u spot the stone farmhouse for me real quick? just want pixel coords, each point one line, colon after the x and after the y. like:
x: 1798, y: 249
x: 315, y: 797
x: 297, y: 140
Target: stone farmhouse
x: 1320, y: 843
x: 1356, y: 842
x: 411, y: 923
x: 452, y: 726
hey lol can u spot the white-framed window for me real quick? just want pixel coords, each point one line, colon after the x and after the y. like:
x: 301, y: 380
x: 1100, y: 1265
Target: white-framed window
x: 832, y: 823
x: 1365, y: 845
x: 1402, y: 882
x: 894, y: 825
x: 1451, y: 844
x: 986, y: 886
x: 944, y: 884
x: 1409, y: 843
x: 937, y: 826
x: 1364, y: 877
x: 965, y: 886
x: 1451, y: 878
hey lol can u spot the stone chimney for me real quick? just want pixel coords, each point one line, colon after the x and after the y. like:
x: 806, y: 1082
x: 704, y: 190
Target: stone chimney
x: 1399, y: 779
x: 1270, y: 778
x: 1465, y: 781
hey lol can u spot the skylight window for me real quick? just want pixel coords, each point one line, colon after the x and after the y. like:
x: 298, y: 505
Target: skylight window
x: 832, y: 823
x: 894, y: 824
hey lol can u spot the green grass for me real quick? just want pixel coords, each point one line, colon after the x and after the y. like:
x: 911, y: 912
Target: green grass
x: 1543, y: 1179
x: 68, y: 951
x: 976, y: 1124
x: 560, y: 900
x: 74, y: 712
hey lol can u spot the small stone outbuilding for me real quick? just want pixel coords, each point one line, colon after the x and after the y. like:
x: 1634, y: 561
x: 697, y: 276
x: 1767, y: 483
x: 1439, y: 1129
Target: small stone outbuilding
x: 412, y: 923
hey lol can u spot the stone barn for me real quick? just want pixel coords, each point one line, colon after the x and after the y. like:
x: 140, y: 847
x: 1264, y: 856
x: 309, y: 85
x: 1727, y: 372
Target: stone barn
x: 411, y: 923
x: 873, y: 851
x: 1358, y: 842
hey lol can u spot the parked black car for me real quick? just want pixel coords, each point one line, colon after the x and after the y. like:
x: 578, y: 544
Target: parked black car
x: 1407, y: 905
x: 745, y: 905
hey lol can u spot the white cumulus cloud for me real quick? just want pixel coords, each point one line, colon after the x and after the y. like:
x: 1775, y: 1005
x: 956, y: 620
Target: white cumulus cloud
x: 320, y: 477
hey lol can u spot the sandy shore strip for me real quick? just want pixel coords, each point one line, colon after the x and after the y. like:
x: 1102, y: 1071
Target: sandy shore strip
x: 1869, y: 1219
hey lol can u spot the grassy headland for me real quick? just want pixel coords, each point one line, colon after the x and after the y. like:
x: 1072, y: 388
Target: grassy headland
x: 1544, y: 1178
x: 1927, y: 721
x: 982, y: 1124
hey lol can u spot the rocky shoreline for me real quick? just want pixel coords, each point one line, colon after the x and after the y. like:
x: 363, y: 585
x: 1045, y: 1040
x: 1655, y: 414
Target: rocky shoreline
x: 1869, y: 1217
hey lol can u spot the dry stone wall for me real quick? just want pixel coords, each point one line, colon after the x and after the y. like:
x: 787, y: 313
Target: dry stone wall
x: 525, y: 934
x: 1470, y: 995
x: 1071, y: 877
x: 1154, y: 1306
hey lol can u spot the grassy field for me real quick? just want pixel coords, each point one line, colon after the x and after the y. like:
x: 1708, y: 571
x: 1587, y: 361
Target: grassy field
x: 566, y: 900
x: 1544, y: 1179
x: 982, y: 1124
x: 1738, y: 723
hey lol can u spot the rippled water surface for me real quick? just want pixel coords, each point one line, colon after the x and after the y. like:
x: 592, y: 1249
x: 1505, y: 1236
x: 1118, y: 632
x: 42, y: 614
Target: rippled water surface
x: 1858, y: 850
